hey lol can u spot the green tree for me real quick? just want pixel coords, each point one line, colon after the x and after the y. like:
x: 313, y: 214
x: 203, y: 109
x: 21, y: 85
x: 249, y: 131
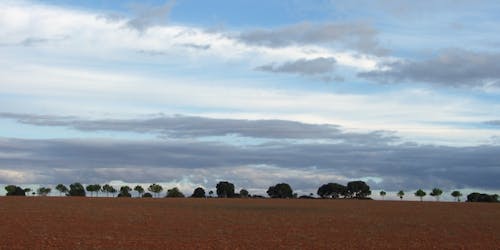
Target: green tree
x: 112, y: 190
x: 105, y: 189
x: 62, y: 189
x: 125, y: 191
x: 332, y: 190
x: 225, y: 189
x: 93, y: 188
x: 436, y: 192
x: 456, y: 194
x: 139, y: 189
x: 401, y: 193
x: 198, y: 192
x: 420, y: 193
x: 155, y: 188
x: 281, y: 190
x: 43, y: 191
x: 244, y: 193
x: 174, y: 193
x: 13, y: 190
x: 27, y: 191
x: 382, y: 194
x: 76, y: 189
x: 211, y: 193
x: 358, y: 189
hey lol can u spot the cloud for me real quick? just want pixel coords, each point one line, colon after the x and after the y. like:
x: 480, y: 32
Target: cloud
x: 148, y: 16
x: 403, y: 166
x: 451, y: 68
x: 493, y: 122
x: 192, y: 126
x: 358, y: 36
x: 317, y: 66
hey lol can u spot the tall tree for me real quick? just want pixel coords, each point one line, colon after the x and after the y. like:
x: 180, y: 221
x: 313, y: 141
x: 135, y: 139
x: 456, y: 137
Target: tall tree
x: 358, y: 189
x: 76, y: 189
x: 281, y: 190
x: 382, y: 194
x: 436, y: 192
x: 401, y: 193
x: 456, y: 194
x: 62, y: 189
x: 420, y: 193
x: 225, y: 189
x: 156, y: 189
x: 139, y: 189
x: 198, y: 192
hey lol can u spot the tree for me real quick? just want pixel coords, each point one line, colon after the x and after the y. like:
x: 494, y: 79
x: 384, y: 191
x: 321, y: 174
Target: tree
x: 281, y: 190
x: 225, y: 189
x: 139, y: 189
x: 43, y: 191
x: 211, y: 193
x: 382, y: 194
x: 244, y: 193
x: 333, y: 190
x: 358, y: 189
x: 93, y: 188
x: 125, y: 192
x: 401, y: 193
x: 62, y: 189
x: 420, y: 193
x: 174, y: 193
x: 112, y: 190
x: 436, y: 192
x: 28, y: 190
x: 147, y: 195
x: 477, y: 197
x: 456, y: 194
x: 76, y: 189
x: 13, y: 190
x: 199, y: 192
x: 106, y: 189
x: 155, y: 188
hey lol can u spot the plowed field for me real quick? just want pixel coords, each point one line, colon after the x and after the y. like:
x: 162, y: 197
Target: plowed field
x: 111, y: 223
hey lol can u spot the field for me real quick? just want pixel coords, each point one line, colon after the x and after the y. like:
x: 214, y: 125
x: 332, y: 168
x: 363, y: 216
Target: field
x: 110, y: 223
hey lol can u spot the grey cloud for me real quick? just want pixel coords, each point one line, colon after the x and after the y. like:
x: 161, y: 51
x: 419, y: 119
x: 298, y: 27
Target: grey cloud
x: 148, y: 16
x: 402, y: 166
x: 453, y: 68
x: 493, y: 123
x: 358, y: 36
x: 191, y: 126
x: 196, y: 46
x: 317, y: 66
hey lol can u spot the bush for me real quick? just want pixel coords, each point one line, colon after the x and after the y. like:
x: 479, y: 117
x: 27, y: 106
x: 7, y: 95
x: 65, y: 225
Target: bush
x: 477, y: 197
x: 147, y: 195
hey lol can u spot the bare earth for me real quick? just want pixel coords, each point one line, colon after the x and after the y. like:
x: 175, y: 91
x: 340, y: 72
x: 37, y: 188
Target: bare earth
x: 111, y: 223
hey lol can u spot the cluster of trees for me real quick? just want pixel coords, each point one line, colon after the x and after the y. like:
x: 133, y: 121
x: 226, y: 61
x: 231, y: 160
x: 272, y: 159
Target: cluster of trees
x: 225, y: 189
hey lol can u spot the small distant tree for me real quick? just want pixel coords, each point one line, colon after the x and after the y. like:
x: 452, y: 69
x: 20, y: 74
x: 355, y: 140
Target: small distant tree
x: 105, y: 189
x: 211, y: 193
x: 112, y: 190
x: 147, y: 195
x: 174, y: 193
x: 76, y: 189
x: 436, y: 192
x: 244, y: 193
x: 43, y: 191
x: 93, y: 188
x: 358, y: 189
x: 382, y: 194
x: 420, y: 193
x: 401, y: 193
x: 139, y: 189
x: 198, y: 192
x: 155, y: 188
x: 28, y: 190
x: 456, y: 194
x: 281, y: 190
x: 62, y: 189
x: 125, y: 191
x: 225, y: 189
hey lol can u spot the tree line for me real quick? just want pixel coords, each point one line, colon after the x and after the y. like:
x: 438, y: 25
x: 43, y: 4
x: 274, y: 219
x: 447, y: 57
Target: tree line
x: 225, y: 189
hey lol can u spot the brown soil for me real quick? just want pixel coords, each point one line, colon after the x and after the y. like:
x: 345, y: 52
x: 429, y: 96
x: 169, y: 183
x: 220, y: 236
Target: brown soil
x: 111, y: 223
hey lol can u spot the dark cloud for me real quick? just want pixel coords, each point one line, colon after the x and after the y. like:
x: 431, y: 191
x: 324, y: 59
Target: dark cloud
x: 402, y: 166
x: 148, y: 16
x: 453, y: 68
x: 191, y: 126
x: 317, y: 66
x: 358, y: 36
x: 493, y: 123
x: 196, y: 46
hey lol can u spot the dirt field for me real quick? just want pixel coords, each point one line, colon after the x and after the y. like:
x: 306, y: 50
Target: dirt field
x: 107, y: 223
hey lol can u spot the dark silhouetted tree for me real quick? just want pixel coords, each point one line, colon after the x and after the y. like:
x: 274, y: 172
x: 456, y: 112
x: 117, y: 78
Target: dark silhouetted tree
x: 358, y: 189
x: 147, y: 195
x: 244, y: 193
x: 43, y: 191
x: 125, y: 192
x: 13, y: 190
x: 62, y: 189
x: 420, y: 193
x: 155, y: 188
x: 112, y: 190
x: 174, y: 193
x: 198, y: 192
x: 281, y: 190
x: 139, y: 189
x: 76, y: 189
x: 477, y: 197
x: 382, y: 194
x: 105, y: 189
x: 436, y: 192
x: 401, y: 194
x: 211, y: 193
x: 456, y: 194
x: 225, y: 189
x: 332, y: 190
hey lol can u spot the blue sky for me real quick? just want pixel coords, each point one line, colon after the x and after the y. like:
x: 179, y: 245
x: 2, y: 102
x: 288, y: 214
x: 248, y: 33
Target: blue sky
x: 187, y: 93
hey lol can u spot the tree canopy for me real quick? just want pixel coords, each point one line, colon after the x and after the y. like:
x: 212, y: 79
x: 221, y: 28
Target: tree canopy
x: 174, y: 193
x: 358, y: 189
x: 332, y: 190
x: 281, y: 190
x: 456, y: 194
x: 76, y: 189
x: 225, y: 189
x: 436, y: 192
x: 420, y: 193
x: 198, y: 192
x: 155, y: 188
x: 13, y: 190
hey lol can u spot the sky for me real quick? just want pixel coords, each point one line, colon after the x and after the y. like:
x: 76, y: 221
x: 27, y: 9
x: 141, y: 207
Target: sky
x: 400, y: 94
